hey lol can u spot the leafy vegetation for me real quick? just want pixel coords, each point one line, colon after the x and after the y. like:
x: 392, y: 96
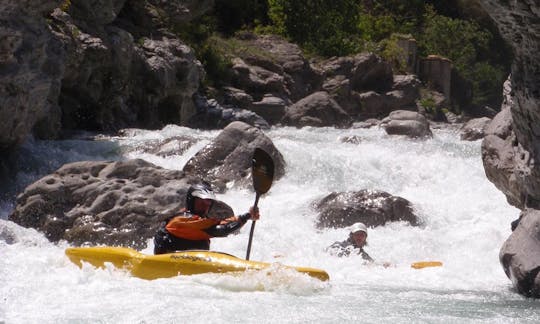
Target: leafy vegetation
x: 65, y: 5
x: 341, y: 27
x: 325, y: 27
x: 465, y: 43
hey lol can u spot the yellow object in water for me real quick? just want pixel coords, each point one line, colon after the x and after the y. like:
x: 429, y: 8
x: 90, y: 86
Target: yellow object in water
x: 426, y: 264
x: 172, y: 264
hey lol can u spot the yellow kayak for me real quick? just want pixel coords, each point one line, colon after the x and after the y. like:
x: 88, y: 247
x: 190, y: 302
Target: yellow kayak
x: 172, y: 264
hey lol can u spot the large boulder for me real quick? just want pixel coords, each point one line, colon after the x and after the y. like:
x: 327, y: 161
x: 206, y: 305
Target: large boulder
x: 228, y: 157
x: 371, y: 207
x: 402, y: 96
x: 366, y: 71
x: 317, y: 109
x: 211, y: 115
x: 270, y: 107
x: 300, y: 78
x: 520, y: 254
x: 257, y: 80
x: 111, y: 203
x: 475, y: 129
x: 368, y: 91
x: 404, y: 93
x: 408, y: 123
x: 274, y: 66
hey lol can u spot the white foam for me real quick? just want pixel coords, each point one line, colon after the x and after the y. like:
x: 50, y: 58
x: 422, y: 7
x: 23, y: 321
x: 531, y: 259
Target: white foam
x: 465, y: 221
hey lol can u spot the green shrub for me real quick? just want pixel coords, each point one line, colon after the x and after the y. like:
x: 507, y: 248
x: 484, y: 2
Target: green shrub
x: 393, y: 53
x: 467, y: 45
x: 380, y: 19
x: 459, y: 40
x: 376, y: 28
x: 65, y: 5
x: 216, y: 65
x: 322, y: 26
x: 428, y: 103
x: 198, y: 35
x: 487, y: 83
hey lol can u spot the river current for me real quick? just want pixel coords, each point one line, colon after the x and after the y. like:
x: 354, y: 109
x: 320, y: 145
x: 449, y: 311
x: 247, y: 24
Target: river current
x: 465, y: 220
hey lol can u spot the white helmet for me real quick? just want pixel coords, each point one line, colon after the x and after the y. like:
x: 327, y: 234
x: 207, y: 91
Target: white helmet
x: 358, y: 227
x: 202, y: 190
x: 203, y: 193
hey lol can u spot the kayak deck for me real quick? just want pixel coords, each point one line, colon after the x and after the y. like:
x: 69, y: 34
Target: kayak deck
x: 172, y: 264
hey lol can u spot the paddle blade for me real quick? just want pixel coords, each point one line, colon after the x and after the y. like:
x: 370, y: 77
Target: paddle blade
x: 262, y: 171
x: 426, y: 264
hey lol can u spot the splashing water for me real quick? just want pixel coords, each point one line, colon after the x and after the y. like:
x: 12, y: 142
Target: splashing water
x: 465, y: 220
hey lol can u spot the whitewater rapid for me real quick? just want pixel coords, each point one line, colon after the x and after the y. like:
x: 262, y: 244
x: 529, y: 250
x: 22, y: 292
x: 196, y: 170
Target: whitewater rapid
x: 465, y: 220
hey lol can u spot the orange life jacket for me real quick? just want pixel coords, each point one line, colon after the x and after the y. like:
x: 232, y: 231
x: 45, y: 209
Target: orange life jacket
x: 191, y: 227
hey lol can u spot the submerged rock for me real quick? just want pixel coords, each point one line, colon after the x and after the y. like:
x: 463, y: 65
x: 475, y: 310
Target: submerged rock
x: 371, y: 207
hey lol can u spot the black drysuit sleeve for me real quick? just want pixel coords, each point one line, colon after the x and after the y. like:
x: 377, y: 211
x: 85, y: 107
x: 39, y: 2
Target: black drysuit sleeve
x: 222, y: 230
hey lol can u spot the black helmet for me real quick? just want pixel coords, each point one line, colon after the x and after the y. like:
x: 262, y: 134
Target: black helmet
x: 200, y: 190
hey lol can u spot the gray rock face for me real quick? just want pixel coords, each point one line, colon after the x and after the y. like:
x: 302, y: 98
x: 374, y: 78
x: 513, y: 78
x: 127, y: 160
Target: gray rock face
x: 31, y: 61
x: 83, y: 67
x: 282, y: 71
x: 520, y: 254
x: 519, y: 22
x: 112, y: 82
x: 363, y: 85
x: 317, y: 109
x: 228, y: 157
x: 211, y: 115
x: 100, y: 12
x: 371, y: 207
x: 366, y: 71
x: 511, y: 151
x: 503, y: 156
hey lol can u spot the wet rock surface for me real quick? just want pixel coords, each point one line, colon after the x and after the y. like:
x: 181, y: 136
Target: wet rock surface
x: 228, y: 157
x: 371, y: 207
x: 123, y: 203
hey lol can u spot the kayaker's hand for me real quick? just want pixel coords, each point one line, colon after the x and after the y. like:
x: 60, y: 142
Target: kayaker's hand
x: 254, y: 213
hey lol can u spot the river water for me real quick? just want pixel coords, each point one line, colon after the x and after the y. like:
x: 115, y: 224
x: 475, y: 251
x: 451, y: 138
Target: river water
x: 465, y: 221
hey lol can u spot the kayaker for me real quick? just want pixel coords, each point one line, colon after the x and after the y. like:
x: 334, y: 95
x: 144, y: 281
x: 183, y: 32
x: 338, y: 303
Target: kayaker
x: 192, y: 229
x: 354, y: 244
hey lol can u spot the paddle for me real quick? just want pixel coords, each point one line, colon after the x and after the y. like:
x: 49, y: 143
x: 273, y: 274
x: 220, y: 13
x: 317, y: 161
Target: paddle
x: 426, y: 264
x: 262, y: 172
